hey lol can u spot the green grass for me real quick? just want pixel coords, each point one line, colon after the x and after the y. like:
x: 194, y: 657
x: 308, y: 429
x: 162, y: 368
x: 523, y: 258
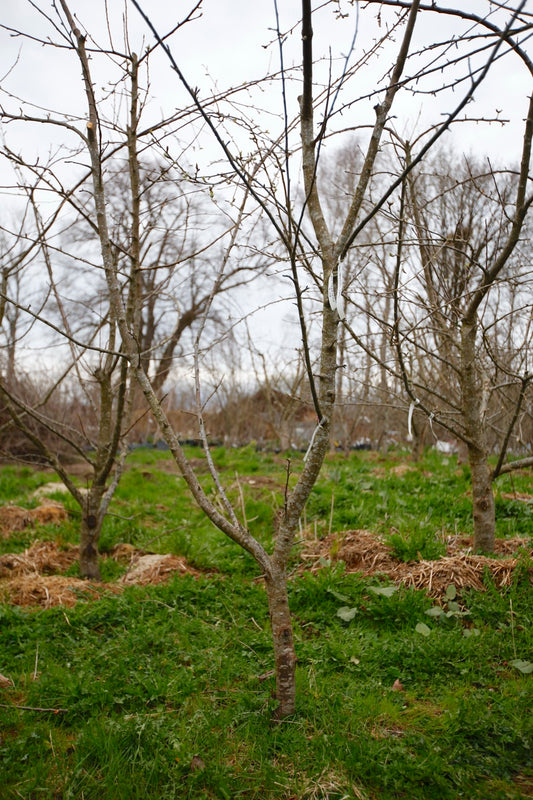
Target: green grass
x: 166, y: 691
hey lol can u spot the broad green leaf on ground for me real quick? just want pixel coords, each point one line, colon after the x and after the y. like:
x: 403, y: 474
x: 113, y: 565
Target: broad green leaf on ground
x: 385, y: 591
x: 451, y: 592
x: 346, y: 614
x: 524, y: 666
x: 423, y: 629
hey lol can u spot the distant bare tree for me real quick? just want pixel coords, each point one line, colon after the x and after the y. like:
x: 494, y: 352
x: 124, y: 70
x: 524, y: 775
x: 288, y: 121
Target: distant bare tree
x: 464, y: 310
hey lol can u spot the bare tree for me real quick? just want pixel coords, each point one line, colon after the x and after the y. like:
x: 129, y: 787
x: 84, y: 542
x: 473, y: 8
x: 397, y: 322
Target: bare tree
x: 93, y: 431
x: 469, y: 295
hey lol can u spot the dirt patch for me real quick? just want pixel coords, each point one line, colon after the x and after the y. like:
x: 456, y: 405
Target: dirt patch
x: 257, y: 482
x: 402, y: 469
x: 154, y: 568
x: 399, y: 470
x: 364, y: 552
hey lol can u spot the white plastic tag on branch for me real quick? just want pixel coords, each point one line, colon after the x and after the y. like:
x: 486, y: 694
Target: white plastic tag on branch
x: 335, y: 298
x: 332, y: 300
x: 341, y: 306
x: 312, y: 440
x: 410, y: 420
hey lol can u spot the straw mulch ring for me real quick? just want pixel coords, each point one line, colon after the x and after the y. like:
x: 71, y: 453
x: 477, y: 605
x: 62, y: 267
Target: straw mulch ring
x: 40, y: 558
x: 154, y: 568
x: 54, y: 590
x: 364, y: 552
x: 28, y: 578
x: 14, y: 518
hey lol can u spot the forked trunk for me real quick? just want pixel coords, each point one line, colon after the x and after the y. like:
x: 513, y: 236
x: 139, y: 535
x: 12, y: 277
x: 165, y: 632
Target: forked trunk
x: 282, y: 637
x: 484, y: 510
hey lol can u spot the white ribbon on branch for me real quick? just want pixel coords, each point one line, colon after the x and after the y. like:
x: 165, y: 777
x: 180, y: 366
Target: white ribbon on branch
x: 410, y: 420
x: 313, y: 439
x: 335, y: 298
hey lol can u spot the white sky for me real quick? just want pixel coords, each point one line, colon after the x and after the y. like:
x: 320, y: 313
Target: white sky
x: 227, y: 45
x: 232, y: 42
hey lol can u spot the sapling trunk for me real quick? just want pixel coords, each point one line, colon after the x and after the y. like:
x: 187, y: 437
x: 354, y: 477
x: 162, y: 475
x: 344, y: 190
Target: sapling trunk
x: 92, y: 518
x: 88, y: 552
x: 283, y: 643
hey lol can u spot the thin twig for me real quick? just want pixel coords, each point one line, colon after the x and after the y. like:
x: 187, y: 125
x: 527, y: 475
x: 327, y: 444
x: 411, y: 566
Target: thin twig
x: 35, y: 708
x: 36, y: 662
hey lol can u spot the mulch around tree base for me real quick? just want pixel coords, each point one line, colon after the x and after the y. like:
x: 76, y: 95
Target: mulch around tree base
x: 364, y: 552
x: 30, y: 578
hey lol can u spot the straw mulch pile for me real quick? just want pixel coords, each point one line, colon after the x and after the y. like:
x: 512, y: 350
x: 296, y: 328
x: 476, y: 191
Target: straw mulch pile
x: 14, y: 518
x: 53, y: 590
x: 154, y: 568
x: 30, y: 578
x: 41, y: 558
x: 365, y: 552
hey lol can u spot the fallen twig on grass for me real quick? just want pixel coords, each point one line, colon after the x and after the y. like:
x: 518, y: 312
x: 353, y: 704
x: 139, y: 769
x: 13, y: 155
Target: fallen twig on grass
x: 35, y: 708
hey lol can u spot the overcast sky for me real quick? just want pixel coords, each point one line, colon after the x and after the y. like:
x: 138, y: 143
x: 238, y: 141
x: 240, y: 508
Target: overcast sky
x: 234, y: 41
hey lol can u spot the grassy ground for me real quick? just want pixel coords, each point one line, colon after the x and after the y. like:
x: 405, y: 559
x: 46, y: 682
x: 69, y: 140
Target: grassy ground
x: 165, y: 691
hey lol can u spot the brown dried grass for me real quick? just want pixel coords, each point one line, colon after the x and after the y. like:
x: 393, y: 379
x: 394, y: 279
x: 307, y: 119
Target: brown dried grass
x: 14, y: 518
x: 40, y: 558
x: 522, y: 496
x: 49, y: 513
x: 154, y: 568
x: 46, y: 591
x: 26, y: 579
x: 367, y: 553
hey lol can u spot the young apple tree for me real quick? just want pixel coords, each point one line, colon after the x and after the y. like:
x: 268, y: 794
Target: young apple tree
x: 469, y: 338
x: 83, y: 405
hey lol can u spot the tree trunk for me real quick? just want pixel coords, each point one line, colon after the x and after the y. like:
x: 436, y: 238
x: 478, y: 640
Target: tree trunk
x: 91, y: 526
x: 283, y: 641
x: 482, y: 501
x: 484, y: 511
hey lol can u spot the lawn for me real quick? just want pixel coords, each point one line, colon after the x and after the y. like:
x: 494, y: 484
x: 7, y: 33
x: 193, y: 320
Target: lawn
x: 165, y: 690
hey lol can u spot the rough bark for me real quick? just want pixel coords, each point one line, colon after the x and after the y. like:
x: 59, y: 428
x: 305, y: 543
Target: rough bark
x: 484, y: 512
x: 283, y: 642
x: 88, y: 551
x: 90, y: 529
